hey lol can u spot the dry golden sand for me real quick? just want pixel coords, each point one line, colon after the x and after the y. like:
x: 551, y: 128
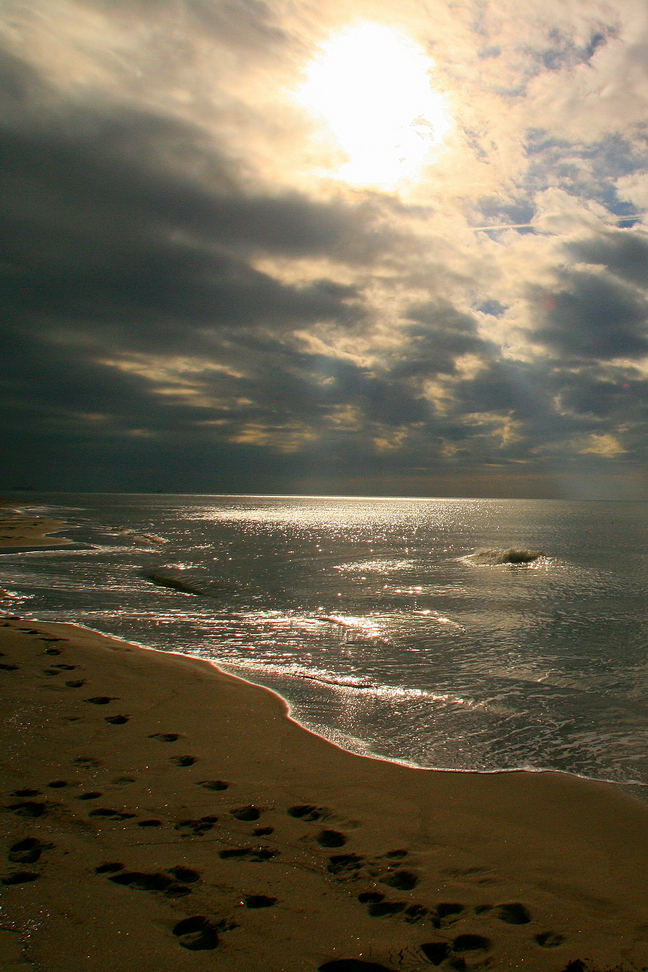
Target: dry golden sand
x: 142, y: 790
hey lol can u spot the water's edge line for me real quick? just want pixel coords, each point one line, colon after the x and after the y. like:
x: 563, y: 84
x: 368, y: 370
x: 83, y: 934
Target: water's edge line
x: 287, y: 712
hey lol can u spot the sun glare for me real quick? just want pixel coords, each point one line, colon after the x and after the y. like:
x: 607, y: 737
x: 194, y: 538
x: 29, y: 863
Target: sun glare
x: 371, y: 86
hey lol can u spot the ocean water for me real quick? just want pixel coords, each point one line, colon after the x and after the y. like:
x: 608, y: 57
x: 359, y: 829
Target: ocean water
x: 379, y: 620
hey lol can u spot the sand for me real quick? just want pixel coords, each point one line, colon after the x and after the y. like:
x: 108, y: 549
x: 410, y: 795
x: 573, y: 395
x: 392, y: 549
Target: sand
x: 159, y: 815
x: 19, y: 532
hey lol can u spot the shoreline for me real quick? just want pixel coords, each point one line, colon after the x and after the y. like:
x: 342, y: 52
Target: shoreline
x: 625, y: 788
x: 20, y: 533
x: 180, y: 812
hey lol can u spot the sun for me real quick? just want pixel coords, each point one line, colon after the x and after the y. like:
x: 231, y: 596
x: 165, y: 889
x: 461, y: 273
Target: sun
x: 370, y: 88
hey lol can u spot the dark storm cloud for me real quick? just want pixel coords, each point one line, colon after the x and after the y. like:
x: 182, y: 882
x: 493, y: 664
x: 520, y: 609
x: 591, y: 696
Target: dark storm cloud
x: 290, y: 384
x: 594, y: 315
x: 175, y: 315
x: 605, y: 394
x: 103, y: 220
x: 439, y: 335
x: 518, y: 388
x: 381, y: 399
x: 91, y: 238
x: 624, y: 253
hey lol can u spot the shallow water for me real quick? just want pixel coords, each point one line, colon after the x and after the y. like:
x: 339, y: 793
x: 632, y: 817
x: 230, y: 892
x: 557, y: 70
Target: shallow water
x: 375, y: 620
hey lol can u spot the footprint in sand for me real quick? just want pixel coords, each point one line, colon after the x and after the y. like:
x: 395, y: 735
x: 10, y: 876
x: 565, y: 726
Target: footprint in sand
x: 9, y: 668
x: 57, y: 784
x: 109, y: 868
x: 101, y: 699
x: 183, y: 760
x: 78, y: 683
x: 91, y: 795
x: 186, y: 874
x: 259, y: 901
x: 26, y: 792
x: 151, y: 881
x: 246, y: 813
x: 111, y: 814
x: 197, y: 827
x: 447, y: 912
x: 549, y: 939
x: 378, y: 907
x: 28, y: 809
x: 167, y: 737
x: 344, y: 864
x: 20, y: 877
x: 436, y: 952
x: 513, y: 913
x: 401, y: 880
x: 331, y: 838
x: 27, y: 851
x: 467, y: 944
x: 117, y: 720
x: 213, y: 784
x: 384, y: 909
x: 196, y: 933
x: 149, y: 823
x: 309, y: 812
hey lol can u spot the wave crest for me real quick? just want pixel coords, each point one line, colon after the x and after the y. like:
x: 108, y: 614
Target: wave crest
x: 496, y: 556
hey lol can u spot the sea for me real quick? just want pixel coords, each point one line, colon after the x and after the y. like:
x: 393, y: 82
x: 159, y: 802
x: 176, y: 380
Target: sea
x: 462, y: 634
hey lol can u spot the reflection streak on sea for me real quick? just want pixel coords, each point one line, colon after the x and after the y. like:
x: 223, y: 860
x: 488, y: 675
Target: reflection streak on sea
x: 370, y: 618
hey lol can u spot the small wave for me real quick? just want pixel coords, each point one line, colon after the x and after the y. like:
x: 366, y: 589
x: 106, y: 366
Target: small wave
x: 167, y: 578
x: 325, y: 678
x: 352, y: 683
x: 135, y: 535
x: 499, y: 556
x: 348, y: 622
x: 431, y: 615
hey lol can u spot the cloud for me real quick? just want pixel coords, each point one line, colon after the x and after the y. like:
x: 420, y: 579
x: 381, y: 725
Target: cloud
x: 187, y: 293
x: 624, y: 254
x: 594, y: 315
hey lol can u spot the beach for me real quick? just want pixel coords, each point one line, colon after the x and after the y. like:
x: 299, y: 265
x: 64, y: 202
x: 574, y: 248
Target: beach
x: 159, y: 815
x: 19, y: 532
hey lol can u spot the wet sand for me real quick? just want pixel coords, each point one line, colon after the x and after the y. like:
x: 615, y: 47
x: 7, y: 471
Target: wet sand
x: 160, y: 816
x: 19, y: 532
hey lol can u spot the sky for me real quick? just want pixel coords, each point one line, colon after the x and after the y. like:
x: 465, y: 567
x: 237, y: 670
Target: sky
x: 348, y: 247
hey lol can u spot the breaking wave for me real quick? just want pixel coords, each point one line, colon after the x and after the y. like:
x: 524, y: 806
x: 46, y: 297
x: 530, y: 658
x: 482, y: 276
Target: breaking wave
x: 497, y: 556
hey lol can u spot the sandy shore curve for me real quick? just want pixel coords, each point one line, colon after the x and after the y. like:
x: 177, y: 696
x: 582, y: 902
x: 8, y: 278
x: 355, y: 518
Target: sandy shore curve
x: 161, y: 815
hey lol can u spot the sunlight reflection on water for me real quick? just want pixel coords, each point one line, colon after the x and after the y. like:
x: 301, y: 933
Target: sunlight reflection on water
x: 365, y: 615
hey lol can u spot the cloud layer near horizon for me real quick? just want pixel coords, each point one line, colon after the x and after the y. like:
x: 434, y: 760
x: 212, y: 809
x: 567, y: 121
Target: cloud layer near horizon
x: 191, y: 303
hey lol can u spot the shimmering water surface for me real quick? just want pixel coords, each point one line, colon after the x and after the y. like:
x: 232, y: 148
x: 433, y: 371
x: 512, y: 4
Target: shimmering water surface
x: 373, y: 620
